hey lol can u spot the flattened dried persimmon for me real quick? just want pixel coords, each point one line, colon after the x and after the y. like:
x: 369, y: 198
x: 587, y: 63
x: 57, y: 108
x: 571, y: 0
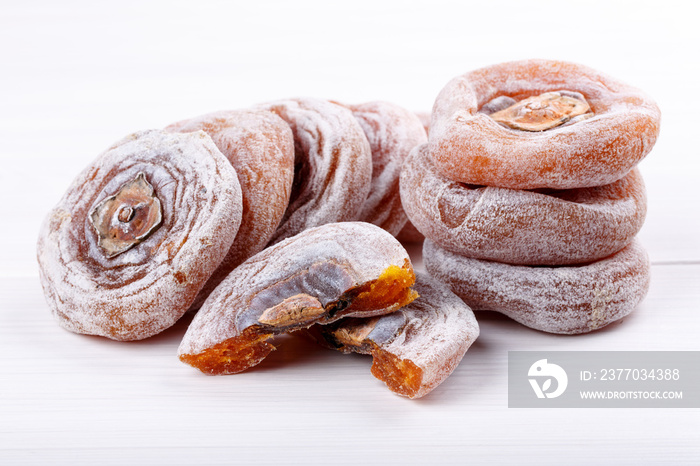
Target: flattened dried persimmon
x: 540, y: 124
x: 333, y: 164
x: 318, y: 276
x: 415, y: 348
x: 138, y: 233
x: 260, y: 146
x: 392, y: 132
x: 559, y: 227
x: 565, y: 299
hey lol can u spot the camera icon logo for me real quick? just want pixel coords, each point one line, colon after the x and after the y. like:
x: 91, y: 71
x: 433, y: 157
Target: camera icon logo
x: 544, y: 372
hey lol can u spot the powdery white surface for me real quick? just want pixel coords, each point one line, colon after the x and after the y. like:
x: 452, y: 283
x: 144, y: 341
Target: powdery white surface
x: 471, y: 147
x: 565, y: 300
x: 334, y: 164
x: 260, y: 146
x: 439, y: 330
x: 78, y: 76
x: 392, y: 132
x: 144, y: 290
x: 363, y: 250
x: 522, y: 227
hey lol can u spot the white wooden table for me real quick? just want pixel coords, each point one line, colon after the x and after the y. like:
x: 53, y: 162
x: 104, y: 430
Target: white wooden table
x: 77, y: 76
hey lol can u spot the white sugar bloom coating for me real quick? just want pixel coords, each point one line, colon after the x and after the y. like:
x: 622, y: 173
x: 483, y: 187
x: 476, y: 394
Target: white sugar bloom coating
x: 565, y: 300
x: 260, y: 146
x: 433, y: 332
x: 471, y: 147
x: 359, y: 251
x: 334, y: 164
x: 439, y: 330
x: 144, y: 290
x: 522, y: 227
x: 392, y: 132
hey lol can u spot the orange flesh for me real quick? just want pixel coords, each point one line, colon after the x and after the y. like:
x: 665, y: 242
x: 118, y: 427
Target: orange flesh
x: 390, y: 290
x: 233, y: 355
x: 402, y: 376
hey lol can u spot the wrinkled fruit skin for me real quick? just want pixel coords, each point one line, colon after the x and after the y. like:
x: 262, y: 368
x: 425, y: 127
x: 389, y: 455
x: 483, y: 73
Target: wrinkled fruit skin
x: 333, y: 164
x: 260, y: 146
x: 318, y: 276
x: 469, y: 146
x: 522, y: 227
x: 564, y: 300
x: 144, y: 289
x: 392, y: 132
x: 415, y: 348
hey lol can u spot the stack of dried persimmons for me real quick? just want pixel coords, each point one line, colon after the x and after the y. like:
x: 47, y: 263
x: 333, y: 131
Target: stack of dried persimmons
x: 283, y: 218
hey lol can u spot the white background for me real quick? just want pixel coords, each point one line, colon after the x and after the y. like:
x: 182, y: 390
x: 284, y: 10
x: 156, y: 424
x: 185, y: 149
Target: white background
x: 76, y: 76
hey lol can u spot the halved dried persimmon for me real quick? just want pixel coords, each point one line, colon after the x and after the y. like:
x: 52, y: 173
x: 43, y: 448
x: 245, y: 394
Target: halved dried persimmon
x: 318, y: 276
x: 415, y: 348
